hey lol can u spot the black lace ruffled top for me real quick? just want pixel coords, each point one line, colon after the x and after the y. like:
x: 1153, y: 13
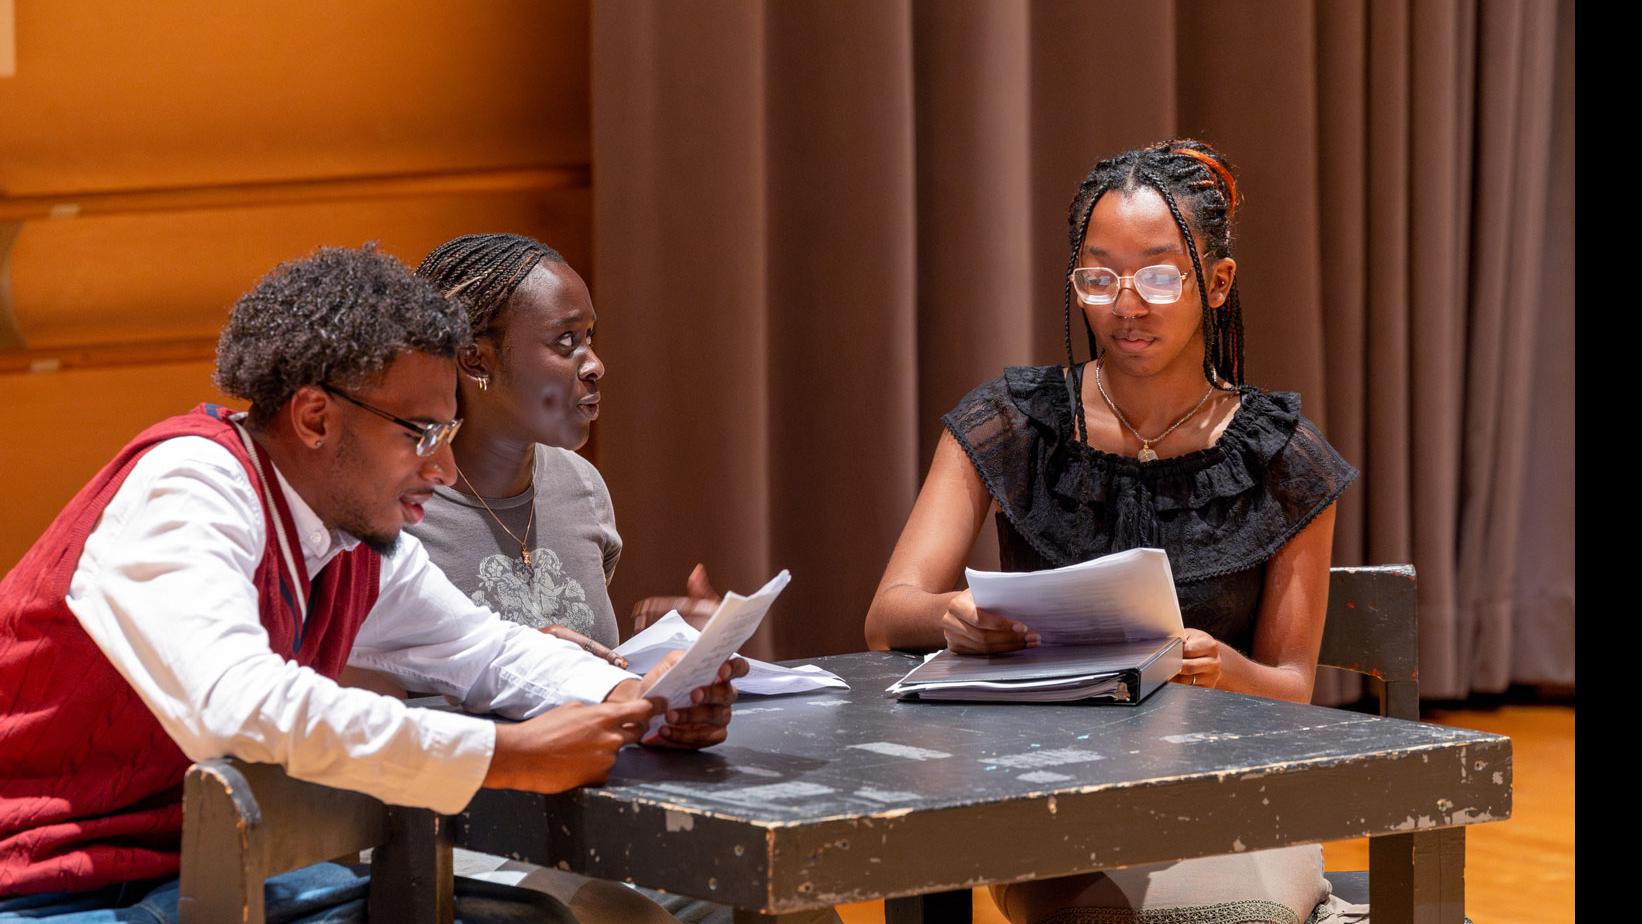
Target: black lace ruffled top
x: 1220, y: 512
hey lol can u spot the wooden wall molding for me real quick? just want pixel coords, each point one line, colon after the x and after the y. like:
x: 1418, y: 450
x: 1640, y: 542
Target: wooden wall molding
x: 292, y: 192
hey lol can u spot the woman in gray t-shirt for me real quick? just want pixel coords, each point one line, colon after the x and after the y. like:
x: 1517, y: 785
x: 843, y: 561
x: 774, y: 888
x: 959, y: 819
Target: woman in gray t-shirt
x: 528, y: 529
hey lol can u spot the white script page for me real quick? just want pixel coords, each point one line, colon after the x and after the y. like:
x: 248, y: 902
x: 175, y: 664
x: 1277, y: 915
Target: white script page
x: 1115, y: 598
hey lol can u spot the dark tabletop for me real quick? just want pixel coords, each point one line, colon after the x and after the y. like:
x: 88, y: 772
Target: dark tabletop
x: 838, y: 796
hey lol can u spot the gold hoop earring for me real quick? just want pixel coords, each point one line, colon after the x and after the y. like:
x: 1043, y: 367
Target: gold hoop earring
x: 483, y: 381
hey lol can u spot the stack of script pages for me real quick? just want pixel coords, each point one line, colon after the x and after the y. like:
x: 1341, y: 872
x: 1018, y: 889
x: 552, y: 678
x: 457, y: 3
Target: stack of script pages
x: 732, y: 624
x: 1109, y: 629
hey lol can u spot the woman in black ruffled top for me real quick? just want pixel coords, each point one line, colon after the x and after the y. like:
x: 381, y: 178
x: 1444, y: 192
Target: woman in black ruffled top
x: 1156, y: 443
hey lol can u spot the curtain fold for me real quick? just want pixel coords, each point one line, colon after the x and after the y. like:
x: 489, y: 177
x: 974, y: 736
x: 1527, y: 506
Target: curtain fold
x: 841, y: 297
x: 817, y: 225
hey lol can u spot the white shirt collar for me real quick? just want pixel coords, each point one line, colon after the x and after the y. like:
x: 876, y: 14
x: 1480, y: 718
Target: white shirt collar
x: 319, y: 543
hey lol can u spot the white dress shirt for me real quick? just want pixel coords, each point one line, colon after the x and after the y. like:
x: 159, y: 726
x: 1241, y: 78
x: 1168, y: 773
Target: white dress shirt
x: 164, y: 587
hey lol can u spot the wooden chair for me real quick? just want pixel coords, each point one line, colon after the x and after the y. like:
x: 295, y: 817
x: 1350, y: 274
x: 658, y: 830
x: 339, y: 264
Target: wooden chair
x: 1373, y: 630
x: 243, y: 823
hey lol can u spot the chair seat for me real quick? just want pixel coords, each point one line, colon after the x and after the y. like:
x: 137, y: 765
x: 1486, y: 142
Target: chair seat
x: 1353, y: 887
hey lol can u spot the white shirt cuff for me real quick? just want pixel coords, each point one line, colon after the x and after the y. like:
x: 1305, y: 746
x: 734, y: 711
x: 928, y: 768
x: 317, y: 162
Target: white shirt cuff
x: 591, y: 683
x: 455, y: 757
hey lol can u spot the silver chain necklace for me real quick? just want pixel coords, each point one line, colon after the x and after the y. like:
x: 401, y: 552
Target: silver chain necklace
x: 1147, y: 454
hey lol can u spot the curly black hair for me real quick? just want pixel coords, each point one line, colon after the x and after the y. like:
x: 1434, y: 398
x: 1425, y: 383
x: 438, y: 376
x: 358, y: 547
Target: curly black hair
x: 338, y: 317
x: 482, y: 271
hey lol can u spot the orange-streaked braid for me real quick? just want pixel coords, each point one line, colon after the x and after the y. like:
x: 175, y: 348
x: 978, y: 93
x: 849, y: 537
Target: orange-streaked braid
x: 1227, y: 185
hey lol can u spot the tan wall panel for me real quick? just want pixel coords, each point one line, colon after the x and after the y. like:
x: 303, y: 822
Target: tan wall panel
x: 63, y: 426
x: 116, y: 95
x: 174, y: 275
x: 150, y: 120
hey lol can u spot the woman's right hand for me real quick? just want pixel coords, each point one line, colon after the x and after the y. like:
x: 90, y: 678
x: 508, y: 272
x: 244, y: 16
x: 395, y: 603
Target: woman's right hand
x: 975, y: 631
x: 697, y: 606
x: 588, y: 645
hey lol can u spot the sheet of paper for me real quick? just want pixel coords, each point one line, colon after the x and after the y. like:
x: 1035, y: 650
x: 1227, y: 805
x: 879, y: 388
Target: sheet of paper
x: 671, y: 633
x: 1114, y: 598
x: 766, y: 679
x: 735, y: 621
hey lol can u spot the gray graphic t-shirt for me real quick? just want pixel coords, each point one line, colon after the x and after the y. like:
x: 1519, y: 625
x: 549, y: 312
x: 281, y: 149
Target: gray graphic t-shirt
x: 573, y: 547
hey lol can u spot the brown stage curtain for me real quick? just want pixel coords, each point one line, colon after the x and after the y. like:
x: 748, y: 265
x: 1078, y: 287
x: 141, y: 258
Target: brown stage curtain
x: 818, y: 224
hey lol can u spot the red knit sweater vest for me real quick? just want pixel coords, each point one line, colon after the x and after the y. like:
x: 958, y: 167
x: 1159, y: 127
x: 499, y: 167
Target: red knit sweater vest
x: 90, y: 784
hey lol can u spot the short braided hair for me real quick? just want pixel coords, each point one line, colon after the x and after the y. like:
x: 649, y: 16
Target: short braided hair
x: 482, y: 271
x: 1197, y: 185
x: 336, y: 316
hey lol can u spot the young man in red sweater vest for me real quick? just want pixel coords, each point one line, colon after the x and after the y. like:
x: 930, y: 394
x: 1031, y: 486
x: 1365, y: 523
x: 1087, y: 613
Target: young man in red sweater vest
x: 199, y: 596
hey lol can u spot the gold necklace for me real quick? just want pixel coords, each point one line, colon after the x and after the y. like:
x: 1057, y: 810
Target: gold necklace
x: 1147, y: 454
x: 524, y: 543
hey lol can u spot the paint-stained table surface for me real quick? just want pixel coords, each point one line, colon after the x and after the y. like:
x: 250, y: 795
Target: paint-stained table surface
x: 841, y: 796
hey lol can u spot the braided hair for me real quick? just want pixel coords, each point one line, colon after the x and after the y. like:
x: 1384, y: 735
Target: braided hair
x: 482, y: 271
x: 1196, y: 184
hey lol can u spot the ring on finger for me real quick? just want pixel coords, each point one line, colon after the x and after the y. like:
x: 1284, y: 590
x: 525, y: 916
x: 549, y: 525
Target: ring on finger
x: 1194, y: 680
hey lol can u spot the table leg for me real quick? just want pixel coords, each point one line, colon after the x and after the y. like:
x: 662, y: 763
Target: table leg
x: 412, y: 873
x: 934, y: 908
x: 1417, y: 878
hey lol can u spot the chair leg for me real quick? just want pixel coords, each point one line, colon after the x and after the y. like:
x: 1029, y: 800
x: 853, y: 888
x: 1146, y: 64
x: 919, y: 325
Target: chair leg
x: 223, y: 820
x: 412, y: 874
x: 1401, y: 700
x: 1418, y: 878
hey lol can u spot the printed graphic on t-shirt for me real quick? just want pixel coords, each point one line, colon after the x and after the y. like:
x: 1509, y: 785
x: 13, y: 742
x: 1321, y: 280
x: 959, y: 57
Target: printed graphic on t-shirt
x: 537, y: 596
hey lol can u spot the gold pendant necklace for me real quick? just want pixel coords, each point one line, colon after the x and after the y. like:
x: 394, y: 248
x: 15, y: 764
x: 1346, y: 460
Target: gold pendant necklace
x: 1147, y: 454
x: 524, y: 542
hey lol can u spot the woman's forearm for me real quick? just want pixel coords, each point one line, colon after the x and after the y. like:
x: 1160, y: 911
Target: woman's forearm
x: 1242, y: 674
x: 906, y: 617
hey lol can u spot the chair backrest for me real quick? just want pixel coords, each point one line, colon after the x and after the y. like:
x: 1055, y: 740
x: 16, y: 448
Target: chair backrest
x: 243, y: 823
x: 1373, y: 629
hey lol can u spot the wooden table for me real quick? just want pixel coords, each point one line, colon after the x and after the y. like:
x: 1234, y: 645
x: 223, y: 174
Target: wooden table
x: 843, y: 796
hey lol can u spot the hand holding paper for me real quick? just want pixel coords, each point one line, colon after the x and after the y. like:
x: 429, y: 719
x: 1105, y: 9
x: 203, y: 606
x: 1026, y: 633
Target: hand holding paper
x: 1115, y: 598
x: 702, y: 719
x: 970, y: 630
x: 672, y: 633
x: 1110, y: 630
x: 732, y: 625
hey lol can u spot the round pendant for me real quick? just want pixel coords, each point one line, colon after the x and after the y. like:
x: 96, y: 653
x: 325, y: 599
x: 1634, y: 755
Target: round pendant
x: 1146, y: 454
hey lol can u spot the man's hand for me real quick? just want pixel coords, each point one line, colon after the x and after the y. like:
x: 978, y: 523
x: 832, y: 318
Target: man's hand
x: 974, y: 631
x: 565, y: 747
x: 701, y: 722
x: 705, y: 720
x: 697, y: 606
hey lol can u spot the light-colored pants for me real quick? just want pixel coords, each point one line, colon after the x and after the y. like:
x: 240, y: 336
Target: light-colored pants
x: 1281, y: 886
